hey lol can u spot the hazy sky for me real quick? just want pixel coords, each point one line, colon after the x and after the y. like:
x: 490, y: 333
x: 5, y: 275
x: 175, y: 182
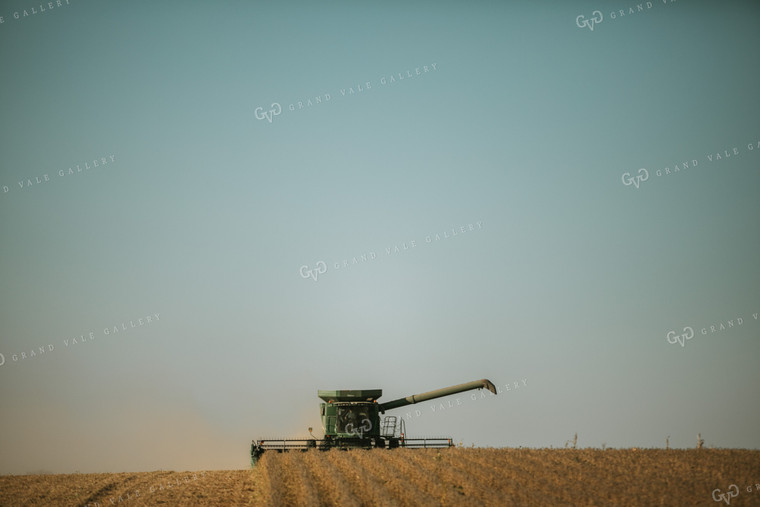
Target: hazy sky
x: 547, y: 131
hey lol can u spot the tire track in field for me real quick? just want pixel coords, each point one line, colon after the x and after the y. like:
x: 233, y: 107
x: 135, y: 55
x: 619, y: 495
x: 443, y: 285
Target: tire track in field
x: 210, y: 488
x: 125, y: 490
x: 122, y: 488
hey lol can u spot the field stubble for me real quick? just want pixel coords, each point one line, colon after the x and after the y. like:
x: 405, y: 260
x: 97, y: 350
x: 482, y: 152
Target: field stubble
x: 459, y: 476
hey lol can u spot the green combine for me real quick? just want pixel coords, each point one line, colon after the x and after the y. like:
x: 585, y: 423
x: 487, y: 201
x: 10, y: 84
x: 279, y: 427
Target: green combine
x: 351, y: 419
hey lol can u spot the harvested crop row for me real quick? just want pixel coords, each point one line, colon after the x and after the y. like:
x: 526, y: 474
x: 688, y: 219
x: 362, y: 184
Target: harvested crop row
x: 423, y: 478
x: 516, y: 484
x: 399, y: 485
x: 457, y: 484
x: 359, y: 478
x: 399, y: 459
x: 329, y: 486
x: 270, y: 478
x: 301, y: 490
x: 487, y: 484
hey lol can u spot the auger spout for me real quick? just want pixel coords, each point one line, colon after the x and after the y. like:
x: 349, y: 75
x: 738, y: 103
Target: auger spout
x: 438, y: 393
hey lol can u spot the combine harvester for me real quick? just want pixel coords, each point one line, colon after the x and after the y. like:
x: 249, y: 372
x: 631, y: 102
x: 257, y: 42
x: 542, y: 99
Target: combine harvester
x: 351, y: 419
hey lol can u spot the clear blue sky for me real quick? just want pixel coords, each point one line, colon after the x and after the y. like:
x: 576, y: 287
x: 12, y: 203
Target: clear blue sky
x: 525, y: 127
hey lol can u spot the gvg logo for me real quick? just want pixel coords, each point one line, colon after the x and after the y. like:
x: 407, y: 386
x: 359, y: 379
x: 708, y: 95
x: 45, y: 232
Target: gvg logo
x: 733, y: 491
x: 275, y: 110
x: 596, y: 18
x: 637, y: 180
x: 673, y: 338
x: 688, y: 332
x: 319, y: 269
x: 351, y: 429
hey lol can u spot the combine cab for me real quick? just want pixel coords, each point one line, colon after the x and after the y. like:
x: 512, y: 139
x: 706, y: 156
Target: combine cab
x: 351, y: 419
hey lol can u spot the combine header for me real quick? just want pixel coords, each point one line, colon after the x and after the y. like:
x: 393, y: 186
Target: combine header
x: 351, y: 419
